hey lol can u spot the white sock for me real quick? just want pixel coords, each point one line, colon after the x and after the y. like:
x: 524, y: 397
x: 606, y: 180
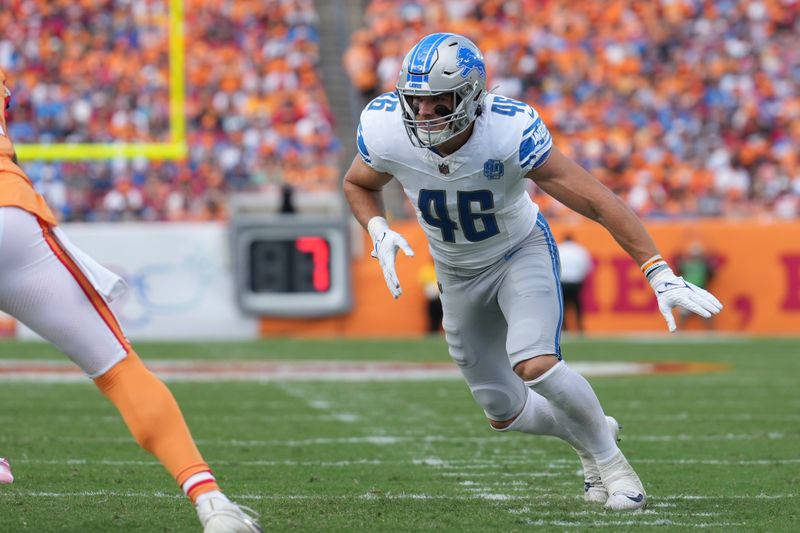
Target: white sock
x: 537, y: 418
x: 196, y: 480
x: 576, y: 409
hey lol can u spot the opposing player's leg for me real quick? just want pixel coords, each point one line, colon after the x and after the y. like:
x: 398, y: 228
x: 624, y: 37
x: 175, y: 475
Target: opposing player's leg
x: 155, y: 420
x: 45, y: 289
x: 530, y: 298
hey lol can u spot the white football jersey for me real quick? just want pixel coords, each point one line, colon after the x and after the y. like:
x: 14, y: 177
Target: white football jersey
x: 472, y: 204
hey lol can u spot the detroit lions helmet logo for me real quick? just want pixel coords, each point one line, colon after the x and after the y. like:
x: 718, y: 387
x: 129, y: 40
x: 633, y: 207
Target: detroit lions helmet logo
x: 469, y: 60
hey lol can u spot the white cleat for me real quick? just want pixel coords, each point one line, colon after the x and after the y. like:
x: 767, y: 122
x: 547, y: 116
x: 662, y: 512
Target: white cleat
x: 624, y: 487
x: 219, y: 515
x: 593, y: 489
x: 6, y: 477
x: 595, y: 492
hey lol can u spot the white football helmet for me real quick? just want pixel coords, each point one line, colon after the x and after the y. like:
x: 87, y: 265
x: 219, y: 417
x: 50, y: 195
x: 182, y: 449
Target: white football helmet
x: 442, y: 63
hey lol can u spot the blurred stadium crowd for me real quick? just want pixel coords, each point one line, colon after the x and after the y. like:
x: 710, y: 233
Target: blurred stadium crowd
x: 683, y: 107
x: 92, y: 71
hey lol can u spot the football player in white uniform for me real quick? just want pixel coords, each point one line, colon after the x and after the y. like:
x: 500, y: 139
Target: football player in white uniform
x: 461, y: 156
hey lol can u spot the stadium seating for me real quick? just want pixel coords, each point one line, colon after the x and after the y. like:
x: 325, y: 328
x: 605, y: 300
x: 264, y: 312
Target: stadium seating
x: 98, y: 72
x: 683, y: 108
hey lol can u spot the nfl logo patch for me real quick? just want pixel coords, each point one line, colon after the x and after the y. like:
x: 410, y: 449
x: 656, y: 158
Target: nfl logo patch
x: 493, y: 169
x: 444, y: 168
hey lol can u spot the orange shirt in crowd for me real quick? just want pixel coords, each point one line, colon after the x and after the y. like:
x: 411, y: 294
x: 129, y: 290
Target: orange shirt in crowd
x: 16, y: 190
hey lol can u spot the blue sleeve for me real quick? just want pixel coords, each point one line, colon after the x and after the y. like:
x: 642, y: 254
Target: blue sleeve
x: 363, y: 151
x: 536, y: 143
x: 367, y: 146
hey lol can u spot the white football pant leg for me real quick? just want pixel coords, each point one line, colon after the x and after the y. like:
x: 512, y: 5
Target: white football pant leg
x: 476, y: 331
x: 40, y: 290
x: 529, y: 296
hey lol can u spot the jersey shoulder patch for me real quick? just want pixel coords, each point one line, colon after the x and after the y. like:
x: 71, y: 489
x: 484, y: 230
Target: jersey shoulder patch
x: 520, y: 131
x: 379, y: 127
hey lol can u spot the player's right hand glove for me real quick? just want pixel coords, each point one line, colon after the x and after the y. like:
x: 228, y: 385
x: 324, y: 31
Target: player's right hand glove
x: 672, y: 291
x: 385, y: 245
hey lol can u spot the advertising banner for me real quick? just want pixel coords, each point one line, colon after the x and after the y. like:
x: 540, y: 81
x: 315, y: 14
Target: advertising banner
x: 756, y: 276
x: 180, y: 285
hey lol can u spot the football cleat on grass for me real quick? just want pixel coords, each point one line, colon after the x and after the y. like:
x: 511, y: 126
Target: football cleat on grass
x: 593, y: 489
x: 218, y: 515
x: 625, y: 490
x: 6, y: 477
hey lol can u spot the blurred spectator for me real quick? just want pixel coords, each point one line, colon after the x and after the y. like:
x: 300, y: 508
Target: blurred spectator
x: 681, y: 107
x: 98, y: 72
x: 433, y: 303
x: 359, y: 61
x: 576, y: 265
x: 287, y: 200
x: 697, y: 268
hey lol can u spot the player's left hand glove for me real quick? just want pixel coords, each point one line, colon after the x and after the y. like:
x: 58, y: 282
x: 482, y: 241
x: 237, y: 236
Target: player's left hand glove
x: 385, y: 245
x: 672, y: 291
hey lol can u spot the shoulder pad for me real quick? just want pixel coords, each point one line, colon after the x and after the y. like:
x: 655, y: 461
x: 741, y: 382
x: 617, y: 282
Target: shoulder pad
x: 518, y: 129
x: 379, y: 126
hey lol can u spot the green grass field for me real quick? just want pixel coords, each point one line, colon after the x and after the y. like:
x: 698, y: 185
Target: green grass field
x: 716, y: 451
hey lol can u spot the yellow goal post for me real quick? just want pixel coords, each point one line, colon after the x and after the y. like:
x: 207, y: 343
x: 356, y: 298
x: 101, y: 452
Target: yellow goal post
x: 174, y: 149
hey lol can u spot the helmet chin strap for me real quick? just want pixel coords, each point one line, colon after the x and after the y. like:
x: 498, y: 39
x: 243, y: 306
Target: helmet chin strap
x: 440, y: 133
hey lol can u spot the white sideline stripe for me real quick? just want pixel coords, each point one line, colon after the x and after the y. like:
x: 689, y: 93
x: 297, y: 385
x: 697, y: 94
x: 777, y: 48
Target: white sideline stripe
x: 551, y: 463
x: 721, y: 462
x: 638, y: 523
x: 60, y: 371
x: 377, y: 496
x: 116, y: 462
x: 773, y: 435
x: 593, y: 513
x: 738, y: 417
x: 387, y: 440
x: 384, y: 440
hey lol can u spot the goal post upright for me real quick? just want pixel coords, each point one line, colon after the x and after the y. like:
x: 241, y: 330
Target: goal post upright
x: 175, y: 149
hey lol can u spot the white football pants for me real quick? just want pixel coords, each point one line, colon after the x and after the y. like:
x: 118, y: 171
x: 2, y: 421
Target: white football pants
x: 42, y: 287
x: 501, y: 316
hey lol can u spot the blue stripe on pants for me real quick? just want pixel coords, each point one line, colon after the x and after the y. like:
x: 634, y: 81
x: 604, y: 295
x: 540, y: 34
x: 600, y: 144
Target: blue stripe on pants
x: 556, y: 262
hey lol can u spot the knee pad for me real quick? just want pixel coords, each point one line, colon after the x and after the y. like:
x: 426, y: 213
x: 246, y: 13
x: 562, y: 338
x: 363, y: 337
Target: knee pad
x: 533, y: 418
x: 522, y: 416
x: 500, y: 402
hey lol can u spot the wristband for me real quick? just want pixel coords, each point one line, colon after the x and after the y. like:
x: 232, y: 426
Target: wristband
x: 653, y: 265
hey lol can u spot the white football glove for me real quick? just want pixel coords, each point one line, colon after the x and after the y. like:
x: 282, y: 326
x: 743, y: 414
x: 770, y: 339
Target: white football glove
x: 672, y: 291
x: 386, y: 243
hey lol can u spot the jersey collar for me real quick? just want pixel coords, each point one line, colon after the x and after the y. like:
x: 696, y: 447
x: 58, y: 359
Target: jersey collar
x: 446, y: 166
